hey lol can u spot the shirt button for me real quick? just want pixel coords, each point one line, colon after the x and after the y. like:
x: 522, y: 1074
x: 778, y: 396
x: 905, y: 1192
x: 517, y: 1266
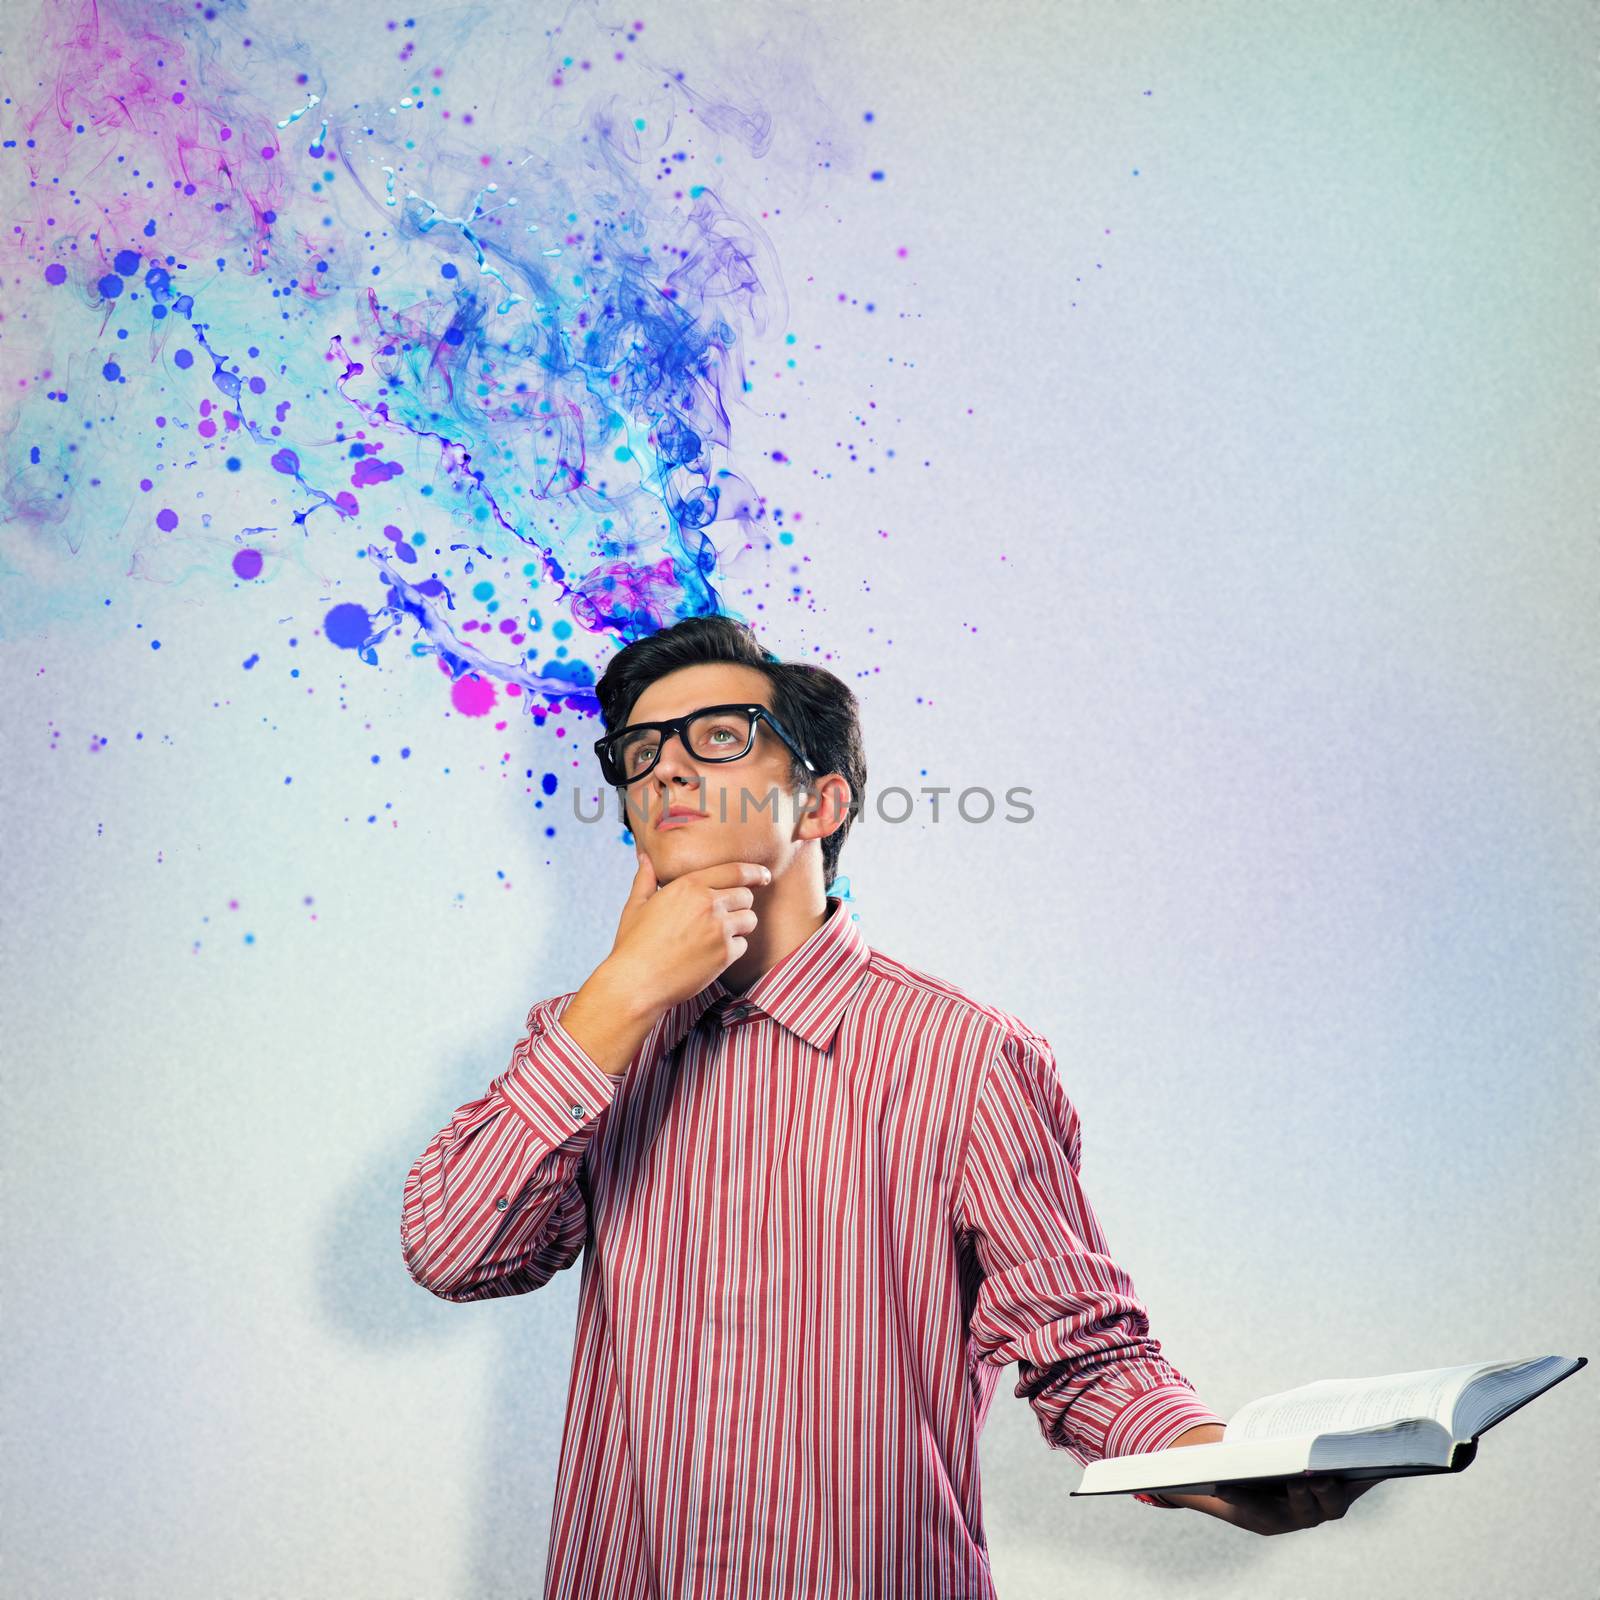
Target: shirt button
x: 577, y: 1112
x: 500, y: 1204
x: 538, y: 1027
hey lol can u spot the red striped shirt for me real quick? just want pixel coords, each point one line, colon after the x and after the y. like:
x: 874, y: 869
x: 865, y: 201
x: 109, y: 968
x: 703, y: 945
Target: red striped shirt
x: 817, y: 1221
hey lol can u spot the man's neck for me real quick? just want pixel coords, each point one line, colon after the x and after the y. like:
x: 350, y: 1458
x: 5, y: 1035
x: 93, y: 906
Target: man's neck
x: 785, y: 918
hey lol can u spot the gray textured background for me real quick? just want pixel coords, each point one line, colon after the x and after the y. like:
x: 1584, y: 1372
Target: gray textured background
x: 1292, y: 639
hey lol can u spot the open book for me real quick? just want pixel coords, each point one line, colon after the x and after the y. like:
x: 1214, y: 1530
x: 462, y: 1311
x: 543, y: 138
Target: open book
x: 1398, y: 1425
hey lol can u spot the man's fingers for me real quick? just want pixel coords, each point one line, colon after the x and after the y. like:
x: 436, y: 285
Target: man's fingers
x: 1354, y: 1491
x: 734, y: 874
x: 1304, y: 1511
x: 1288, y: 1505
x: 1330, y: 1497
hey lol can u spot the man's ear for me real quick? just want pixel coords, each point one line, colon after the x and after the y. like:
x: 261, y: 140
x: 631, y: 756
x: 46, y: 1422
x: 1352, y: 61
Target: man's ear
x: 829, y: 801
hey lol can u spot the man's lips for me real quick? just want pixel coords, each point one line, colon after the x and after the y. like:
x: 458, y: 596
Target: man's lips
x: 678, y: 815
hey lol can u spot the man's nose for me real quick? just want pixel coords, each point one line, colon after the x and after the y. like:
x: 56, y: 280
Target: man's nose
x: 675, y: 761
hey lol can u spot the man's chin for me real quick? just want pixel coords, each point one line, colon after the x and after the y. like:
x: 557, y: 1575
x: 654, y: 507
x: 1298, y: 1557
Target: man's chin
x: 683, y: 856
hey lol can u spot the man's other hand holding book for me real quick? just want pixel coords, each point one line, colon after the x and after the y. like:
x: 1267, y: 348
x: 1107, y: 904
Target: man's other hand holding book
x: 1283, y: 1506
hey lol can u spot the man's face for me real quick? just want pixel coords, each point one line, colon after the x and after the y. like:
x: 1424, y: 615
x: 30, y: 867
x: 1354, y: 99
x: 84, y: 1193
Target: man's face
x: 746, y: 809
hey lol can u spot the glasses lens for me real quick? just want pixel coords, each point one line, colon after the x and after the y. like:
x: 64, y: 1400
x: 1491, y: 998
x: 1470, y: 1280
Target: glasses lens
x: 712, y: 736
x: 634, y: 753
x: 719, y: 735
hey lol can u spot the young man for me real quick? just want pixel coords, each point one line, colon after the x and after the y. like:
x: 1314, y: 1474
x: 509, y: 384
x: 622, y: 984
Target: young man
x: 823, y: 1199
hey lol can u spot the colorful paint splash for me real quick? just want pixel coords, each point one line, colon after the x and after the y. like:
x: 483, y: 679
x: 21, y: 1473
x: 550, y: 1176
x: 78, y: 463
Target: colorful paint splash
x: 314, y: 344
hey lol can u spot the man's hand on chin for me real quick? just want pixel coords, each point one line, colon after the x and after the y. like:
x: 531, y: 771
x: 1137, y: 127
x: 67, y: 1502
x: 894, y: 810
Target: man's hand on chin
x: 1278, y: 1505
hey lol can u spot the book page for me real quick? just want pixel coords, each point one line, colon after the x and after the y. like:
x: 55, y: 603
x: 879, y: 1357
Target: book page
x: 1338, y: 1405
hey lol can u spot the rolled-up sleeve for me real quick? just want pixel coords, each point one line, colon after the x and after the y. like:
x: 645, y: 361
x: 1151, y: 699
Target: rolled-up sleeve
x: 1050, y: 1297
x: 494, y: 1204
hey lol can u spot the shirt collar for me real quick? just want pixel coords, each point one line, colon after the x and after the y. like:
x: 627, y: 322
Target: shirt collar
x: 807, y: 992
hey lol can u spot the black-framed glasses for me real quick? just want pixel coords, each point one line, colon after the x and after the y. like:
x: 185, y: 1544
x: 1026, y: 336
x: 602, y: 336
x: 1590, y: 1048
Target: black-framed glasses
x: 713, y: 733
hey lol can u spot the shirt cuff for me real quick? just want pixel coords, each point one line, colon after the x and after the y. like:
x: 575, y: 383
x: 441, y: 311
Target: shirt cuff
x: 552, y: 1082
x: 1154, y: 1418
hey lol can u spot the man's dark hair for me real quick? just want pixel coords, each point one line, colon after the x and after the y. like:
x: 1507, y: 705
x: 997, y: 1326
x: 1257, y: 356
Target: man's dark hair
x: 818, y: 710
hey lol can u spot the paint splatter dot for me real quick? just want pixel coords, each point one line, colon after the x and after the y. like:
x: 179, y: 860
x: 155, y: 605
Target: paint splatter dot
x: 370, y: 471
x: 347, y: 626
x: 472, y: 696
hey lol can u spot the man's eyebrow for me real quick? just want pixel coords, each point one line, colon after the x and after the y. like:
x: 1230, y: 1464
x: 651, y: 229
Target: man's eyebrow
x: 654, y: 722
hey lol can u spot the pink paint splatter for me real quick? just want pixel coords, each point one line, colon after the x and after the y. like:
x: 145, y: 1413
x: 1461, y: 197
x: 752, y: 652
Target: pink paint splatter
x: 472, y: 696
